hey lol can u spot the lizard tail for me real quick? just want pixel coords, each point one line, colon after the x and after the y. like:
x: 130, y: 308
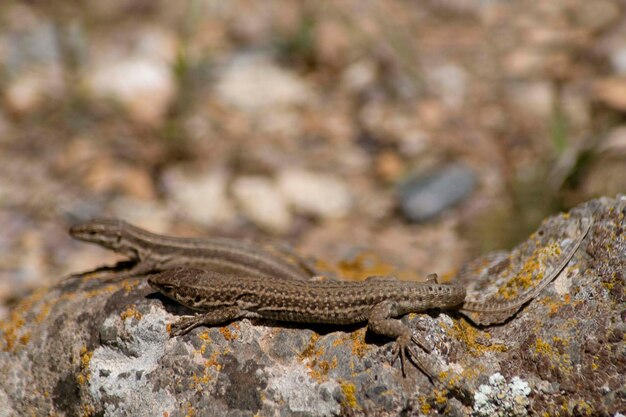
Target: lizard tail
x: 494, y: 312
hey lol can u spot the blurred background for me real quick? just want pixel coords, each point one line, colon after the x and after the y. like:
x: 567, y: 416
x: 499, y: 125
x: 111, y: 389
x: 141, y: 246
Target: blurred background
x: 371, y: 135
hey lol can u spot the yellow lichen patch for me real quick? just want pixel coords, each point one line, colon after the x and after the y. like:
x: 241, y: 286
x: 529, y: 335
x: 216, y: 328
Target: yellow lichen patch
x: 562, y: 361
x: 424, y: 406
x: 191, y: 412
x: 129, y: 286
x: 440, y: 396
x: 583, y: 409
x: 318, y: 368
x: 359, y: 347
x: 367, y: 264
x: 87, y: 410
x: 470, y: 336
x: 99, y: 291
x: 228, y: 335
x: 205, y: 336
x: 530, y: 273
x: 206, y: 376
x: 309, y: 350
x: 349, y: 394
x: 85, y: 357
x: 131, y: 312
x: 18, y: 318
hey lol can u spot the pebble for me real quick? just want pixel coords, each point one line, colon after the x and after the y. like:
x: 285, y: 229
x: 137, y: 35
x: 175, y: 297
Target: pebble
x: 29, y: 90
x: 316, y: 194
x: 253, y: 83
x: 533, y: 98
x: 143, y: 86
x: 424, y: 197
x: 612, y: 92
x: 449, y: 82
x: 262, y: 203
x: 199, y: 197
x: 618, y: 60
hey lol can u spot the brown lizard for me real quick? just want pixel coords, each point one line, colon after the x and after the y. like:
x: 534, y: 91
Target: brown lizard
x: 375, y: 301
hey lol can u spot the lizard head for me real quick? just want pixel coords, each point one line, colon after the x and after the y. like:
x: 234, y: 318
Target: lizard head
x: 104, y: 232
x: 179, y: 284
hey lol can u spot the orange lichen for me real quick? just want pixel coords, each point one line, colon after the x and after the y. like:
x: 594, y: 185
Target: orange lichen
x: 131, y: 312
x: 11, y: 328
x: 359, y: 347
x: 228, y: 335
x: 562, y: 361
x: 318, y: 368
x: 531, y: 272
x: 368, y: 264
x: 424, y: 406
x: 470, y: 336
x: 85, y: 357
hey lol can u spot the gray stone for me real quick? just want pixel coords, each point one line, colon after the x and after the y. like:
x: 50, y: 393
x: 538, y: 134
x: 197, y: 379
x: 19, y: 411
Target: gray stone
x: 86, y: 346
x: 424, y: 197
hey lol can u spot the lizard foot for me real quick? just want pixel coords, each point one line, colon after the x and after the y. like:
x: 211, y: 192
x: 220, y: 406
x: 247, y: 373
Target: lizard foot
x: 185, y: 325
x: 402, y: 348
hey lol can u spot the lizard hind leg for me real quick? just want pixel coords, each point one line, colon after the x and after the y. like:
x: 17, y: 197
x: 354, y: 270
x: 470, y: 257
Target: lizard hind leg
x: 380, y: 322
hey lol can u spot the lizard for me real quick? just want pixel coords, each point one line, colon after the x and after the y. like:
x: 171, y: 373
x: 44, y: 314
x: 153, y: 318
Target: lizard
x: 152, y: 252
x: 374, y: 301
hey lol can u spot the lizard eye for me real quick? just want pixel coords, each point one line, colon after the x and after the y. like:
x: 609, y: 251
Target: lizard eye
x: 167, y: 287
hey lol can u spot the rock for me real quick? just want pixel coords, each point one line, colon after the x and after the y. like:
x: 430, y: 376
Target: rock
x: 612, y: 92
x: 199, y: 197
x: 425, y: 197
x: 103, y: 347
x: 315, y: 194
x: 534, y: 98
x: 263, y: 203
x: 253, y: 83
x: 618, y: 60
x: 30, y: 89
x: 144, y: 86
x: 449, y: 82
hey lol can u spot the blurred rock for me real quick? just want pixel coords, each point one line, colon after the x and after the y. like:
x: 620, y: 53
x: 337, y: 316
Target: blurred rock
x: 143, y: 86
x: 618, y: 60
x: 150, y: 215
x: 615, y: 143
x: 315, y: 194
x: 31, y: 45
x: 359, y: 75
x: 424, y: 197
x: 449, y: 82
x: 262, y: 203
x: 534, y: 98
x: 612, y: 92
x: 254, y: 83
x: 332, y: 42
x: 199, y: 197
x: 524, y: 62
x: 30, y: 89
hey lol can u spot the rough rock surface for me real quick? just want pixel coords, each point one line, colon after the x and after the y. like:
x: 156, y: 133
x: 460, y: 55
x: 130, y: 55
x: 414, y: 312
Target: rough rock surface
x: 89, y: 347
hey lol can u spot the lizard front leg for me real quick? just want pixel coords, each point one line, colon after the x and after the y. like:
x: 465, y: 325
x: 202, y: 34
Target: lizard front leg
x: 212, y: 318
x: 380, y: 321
